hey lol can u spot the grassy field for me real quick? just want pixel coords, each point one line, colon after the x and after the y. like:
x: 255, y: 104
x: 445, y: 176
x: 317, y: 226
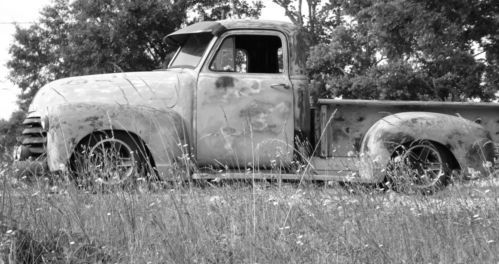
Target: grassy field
x: 45, y: 221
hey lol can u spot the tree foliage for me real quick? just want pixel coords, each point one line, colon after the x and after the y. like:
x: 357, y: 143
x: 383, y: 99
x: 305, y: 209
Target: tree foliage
x: 9, y: 131
x: 403, y: 49
x: 100, y: 36
x: 82, y: 37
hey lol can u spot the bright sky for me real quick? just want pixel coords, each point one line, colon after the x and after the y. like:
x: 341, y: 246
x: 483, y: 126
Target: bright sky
x: 28, y: 11
x: 20, y: 11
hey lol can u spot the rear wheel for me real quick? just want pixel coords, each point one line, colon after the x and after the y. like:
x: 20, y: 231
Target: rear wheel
x: 110, y: 158
x: 422, y: 167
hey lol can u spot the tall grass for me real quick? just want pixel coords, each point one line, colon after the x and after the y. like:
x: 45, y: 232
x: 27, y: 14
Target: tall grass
x: 44, y: 221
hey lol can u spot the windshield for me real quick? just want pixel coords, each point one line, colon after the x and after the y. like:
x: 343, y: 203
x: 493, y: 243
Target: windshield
x: 191, y: 51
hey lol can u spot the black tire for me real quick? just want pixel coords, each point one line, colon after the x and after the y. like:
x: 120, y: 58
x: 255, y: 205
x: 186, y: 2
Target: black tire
x: 110, y: 158
x: 421, y: 167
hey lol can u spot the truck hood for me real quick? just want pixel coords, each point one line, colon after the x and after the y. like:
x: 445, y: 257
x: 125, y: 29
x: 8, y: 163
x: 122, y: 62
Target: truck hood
x: 158, y: 89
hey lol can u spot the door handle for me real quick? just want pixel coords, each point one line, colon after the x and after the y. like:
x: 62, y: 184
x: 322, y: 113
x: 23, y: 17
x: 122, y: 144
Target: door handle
x: 280, y: 86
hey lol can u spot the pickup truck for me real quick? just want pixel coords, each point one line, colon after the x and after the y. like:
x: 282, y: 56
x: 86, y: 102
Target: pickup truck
x: 235, y: 102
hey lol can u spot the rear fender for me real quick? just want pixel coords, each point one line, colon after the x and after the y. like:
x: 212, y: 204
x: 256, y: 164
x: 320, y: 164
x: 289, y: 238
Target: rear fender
x: 469, y: 143
x: 162, y: 131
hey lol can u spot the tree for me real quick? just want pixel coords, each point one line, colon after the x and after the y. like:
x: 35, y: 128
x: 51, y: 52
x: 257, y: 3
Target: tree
x: 318, y: 21
x: 9, y: 131
x: 435, y: 41
x: 101, y: 36
x: 224, y: 9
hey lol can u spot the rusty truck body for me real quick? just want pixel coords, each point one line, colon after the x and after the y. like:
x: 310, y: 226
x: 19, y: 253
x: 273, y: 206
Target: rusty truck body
x: 235, y: 102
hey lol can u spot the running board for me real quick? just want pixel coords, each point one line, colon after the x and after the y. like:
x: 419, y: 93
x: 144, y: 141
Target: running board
x: 342, y: 176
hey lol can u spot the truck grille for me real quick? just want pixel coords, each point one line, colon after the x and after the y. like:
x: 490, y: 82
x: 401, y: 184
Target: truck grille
x: 34, y: 138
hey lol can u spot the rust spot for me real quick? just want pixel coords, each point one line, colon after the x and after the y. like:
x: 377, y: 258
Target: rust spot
x: 256, y: 108
x: 228, y: 130
x: 449, y: 146
x: 360, y: 119
x: 339, y: 119
x: 224, y: 82
x: 76, y: 81
x: 339, y: 134
x: 91, y: 119
x: 259, y: 125
x: 394, y: 140
x: 255, y: 86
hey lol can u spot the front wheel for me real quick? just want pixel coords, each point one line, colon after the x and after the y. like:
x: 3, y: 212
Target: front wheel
x: 422, y: 167
x: 110, y: 158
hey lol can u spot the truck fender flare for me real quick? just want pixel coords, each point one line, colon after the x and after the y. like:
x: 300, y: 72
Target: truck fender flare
x: 163, y: 132
x: 468, y: 142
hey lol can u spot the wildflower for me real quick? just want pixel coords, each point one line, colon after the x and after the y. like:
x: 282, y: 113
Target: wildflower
x: 294, y: 199
x: 217, y: 179
x: 54, y: 189
x: 216, y: 201
x: 273, y: 200
x: 326, y: 202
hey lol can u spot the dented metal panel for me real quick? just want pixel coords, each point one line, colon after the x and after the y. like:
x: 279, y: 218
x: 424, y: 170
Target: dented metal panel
x: 352, y: 119
x: 244, y: 119
x: 355, y: 130
x: 241, y: 120
x: 162, y: 131
x: 470, y: 144
x: 156, y: 106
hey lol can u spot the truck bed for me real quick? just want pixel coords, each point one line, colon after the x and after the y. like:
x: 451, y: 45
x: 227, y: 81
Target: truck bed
x: 340, y: 125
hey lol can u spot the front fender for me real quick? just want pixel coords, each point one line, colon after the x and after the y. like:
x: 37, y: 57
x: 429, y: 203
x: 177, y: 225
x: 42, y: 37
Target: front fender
x: 469, y: 142
x: 163, y: 131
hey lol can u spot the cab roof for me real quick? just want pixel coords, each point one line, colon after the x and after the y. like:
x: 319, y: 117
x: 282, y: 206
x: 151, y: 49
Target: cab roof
x: 219, y: 27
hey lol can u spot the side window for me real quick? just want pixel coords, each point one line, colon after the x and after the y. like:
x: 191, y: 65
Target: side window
x: 249, y: 54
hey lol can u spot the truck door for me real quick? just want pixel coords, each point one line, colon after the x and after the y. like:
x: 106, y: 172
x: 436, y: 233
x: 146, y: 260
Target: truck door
x: 244, y: 112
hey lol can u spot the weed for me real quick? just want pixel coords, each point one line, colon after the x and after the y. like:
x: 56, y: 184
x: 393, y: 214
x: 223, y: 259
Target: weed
x: 241, y: 223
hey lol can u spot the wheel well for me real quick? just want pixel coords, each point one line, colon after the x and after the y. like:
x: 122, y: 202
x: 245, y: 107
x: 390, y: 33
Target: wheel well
x: 454, y: 164
x: 110, y: 133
